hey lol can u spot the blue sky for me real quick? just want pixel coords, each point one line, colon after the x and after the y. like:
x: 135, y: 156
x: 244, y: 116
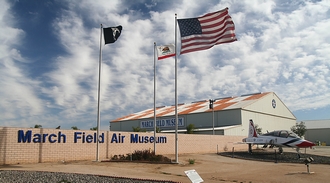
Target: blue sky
x: 50, y: 51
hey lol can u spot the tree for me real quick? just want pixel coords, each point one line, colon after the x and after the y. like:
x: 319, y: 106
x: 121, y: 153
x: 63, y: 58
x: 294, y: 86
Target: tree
x: 190, y: 128
x: 37, y: 126
x: 299, y: 129
x: 258, y: 129
x: 94, y: 128
x: 138, y: 129
x: 75, y: 128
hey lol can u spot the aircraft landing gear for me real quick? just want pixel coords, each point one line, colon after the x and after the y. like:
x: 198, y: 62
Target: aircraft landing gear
x: 250, y: 149
x: 280, y: 150
x: 298, y: 152
x: 271, y: 144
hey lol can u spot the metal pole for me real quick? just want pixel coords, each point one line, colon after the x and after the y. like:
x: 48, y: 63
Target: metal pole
x: 213, y: 117
x: 98, y: 99
x: 308, y: 168
x: 233, y: 150
x: 212, y: 106
x: 155, y: 123
x: 176, y: 95
x: 275, y: 157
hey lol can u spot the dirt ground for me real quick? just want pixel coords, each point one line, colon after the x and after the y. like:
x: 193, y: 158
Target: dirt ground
x: 212, y: 168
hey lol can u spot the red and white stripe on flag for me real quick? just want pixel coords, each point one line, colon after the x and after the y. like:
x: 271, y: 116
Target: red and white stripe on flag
x: 165, y: 51
x: 204, y: 32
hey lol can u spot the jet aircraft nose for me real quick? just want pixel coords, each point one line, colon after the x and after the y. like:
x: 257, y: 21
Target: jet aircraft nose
x: 306, y: 143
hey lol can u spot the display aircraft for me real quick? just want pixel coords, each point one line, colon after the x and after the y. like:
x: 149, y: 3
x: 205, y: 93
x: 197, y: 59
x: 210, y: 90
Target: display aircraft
x: 280, y: 139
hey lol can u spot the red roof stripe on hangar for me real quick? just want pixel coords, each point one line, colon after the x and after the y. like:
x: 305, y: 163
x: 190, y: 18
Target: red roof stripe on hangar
x: 149, y: 111
x: 122, y: 118
x: 196, y: 107
x: 257, y: 96
x: 223, y: 106
x: 168, y: 110
x: 193, y: 107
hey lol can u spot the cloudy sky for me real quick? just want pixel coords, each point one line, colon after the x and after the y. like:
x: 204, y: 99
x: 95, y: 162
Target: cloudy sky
x: 49, y: 57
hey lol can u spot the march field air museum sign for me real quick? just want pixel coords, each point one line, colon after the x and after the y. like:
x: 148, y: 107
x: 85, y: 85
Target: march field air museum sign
x: 83, y: 137
x: 161, y: 123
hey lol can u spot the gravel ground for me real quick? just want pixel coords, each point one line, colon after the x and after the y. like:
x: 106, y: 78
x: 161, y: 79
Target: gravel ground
x: 269, y: 155
x: 57, y: 177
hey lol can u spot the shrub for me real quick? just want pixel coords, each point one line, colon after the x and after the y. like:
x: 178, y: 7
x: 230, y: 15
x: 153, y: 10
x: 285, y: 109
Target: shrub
x: 191, y: 161
x: 142, y: 155
x: 190, y: 128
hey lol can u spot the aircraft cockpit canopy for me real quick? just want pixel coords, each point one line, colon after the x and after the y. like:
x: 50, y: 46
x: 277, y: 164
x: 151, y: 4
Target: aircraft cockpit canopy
x: 293, y: 135
x: 282, y: 133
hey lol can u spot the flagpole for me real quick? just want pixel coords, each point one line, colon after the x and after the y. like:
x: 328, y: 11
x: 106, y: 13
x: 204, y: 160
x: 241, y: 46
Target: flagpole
x: 98, y: 99
x: 176, y: 95
x: 155, y: 123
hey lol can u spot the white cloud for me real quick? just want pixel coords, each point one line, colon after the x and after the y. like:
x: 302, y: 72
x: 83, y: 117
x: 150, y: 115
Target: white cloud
x: 281, y: 48
x: 19, y: 98
x: 258, y: 61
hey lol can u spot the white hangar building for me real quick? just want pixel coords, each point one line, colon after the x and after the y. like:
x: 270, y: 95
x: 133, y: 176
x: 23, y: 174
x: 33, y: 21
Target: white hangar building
x: 229, y: 116
x: 318, y: 130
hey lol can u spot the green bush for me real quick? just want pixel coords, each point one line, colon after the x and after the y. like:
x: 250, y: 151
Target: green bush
x: 142, y: 155
x: 190, y: 129
x: 191, y: 161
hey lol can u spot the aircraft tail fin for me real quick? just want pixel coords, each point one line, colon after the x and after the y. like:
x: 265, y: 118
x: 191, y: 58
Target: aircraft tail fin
x: 252, y: 130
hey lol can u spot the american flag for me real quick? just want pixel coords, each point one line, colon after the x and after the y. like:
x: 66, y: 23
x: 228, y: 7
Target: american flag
x: 204, y: 32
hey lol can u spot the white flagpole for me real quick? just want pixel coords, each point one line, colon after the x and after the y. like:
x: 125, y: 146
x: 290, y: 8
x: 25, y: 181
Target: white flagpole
x: 176, y: 95
x: 98, y: 99
x: 155, y: 123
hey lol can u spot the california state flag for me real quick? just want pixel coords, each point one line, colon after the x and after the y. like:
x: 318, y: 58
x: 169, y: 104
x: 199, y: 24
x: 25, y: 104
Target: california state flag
x: 165, y: 51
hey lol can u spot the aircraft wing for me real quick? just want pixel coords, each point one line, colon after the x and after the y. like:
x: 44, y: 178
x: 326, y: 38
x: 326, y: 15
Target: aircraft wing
x: 258, y: 140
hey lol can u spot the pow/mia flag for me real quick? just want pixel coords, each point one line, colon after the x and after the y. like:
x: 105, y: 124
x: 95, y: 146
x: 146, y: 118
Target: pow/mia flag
x: 111, y: 34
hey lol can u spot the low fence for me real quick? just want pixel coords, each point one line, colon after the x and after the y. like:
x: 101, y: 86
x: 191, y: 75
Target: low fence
x: 37, y: 145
